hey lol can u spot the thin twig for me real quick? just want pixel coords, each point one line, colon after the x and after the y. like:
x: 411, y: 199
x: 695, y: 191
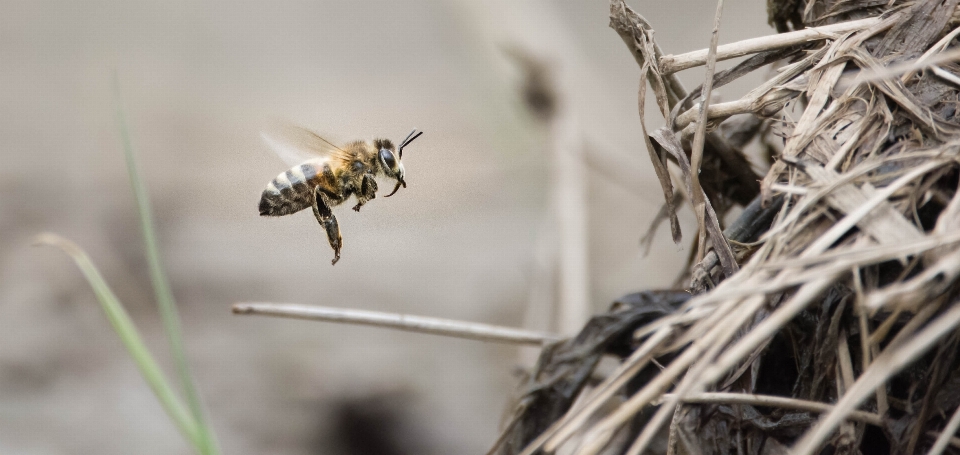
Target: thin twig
x: 673, y: 63
x: 696, y: 152
x: 945, y: 75
x: 422, y: 324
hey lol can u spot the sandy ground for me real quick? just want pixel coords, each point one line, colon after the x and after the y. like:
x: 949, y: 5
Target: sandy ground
x: 198, y: 80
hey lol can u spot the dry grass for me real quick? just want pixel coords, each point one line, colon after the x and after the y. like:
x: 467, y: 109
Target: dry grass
x: 827, y: 314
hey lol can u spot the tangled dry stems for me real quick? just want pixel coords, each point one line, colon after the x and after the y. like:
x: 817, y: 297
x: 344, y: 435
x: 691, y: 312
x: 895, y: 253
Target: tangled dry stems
x: 838, y: 326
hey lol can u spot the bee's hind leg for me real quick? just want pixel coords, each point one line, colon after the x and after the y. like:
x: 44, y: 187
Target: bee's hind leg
x: 368, y: 190
x: 321, y: 210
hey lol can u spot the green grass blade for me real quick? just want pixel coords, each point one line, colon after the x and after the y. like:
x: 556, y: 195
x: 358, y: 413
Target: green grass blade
x: 161, y: 287
x: 130, y: 337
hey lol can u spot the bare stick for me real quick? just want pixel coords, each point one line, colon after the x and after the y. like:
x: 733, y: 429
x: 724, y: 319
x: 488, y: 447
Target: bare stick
x: 773, y: 401
x: 673, y: 63
x: 436, y: 326
x: 943, y: 74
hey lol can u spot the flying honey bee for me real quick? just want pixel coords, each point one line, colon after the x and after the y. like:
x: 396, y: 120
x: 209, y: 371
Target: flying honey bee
x: 324, y: 175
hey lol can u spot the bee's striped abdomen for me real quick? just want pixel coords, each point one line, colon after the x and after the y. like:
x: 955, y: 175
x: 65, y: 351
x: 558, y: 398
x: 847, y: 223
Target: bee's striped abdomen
x: 291, y: 191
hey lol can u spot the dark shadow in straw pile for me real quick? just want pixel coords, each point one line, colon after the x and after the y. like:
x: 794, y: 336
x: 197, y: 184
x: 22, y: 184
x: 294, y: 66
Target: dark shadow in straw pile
x: 826, y: 316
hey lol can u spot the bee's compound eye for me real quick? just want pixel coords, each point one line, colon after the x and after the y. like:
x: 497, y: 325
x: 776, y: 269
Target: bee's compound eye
x: 388, y: 160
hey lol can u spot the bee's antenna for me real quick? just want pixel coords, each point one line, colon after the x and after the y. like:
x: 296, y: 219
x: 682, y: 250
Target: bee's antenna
x: 410, y: 138
x: 403, y: 142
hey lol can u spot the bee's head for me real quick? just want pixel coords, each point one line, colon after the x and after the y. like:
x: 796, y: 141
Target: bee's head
x: 391, y: 161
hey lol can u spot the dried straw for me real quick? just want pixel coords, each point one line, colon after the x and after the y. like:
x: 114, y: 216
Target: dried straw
x: 827, y: 317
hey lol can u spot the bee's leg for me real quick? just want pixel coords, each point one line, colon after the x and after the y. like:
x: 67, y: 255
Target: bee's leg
x: 321, y: 209
x: 368, y: 190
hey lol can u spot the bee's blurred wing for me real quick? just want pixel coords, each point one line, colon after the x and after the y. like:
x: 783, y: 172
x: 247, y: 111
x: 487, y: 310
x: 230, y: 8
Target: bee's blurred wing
x: 294, y: 144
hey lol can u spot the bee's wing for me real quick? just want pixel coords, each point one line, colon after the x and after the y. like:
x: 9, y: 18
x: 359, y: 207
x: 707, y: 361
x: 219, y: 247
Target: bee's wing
x: 295, y: 145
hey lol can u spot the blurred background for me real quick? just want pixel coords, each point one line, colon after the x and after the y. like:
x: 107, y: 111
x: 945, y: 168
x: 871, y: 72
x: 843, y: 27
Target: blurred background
x: 473, y: 237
